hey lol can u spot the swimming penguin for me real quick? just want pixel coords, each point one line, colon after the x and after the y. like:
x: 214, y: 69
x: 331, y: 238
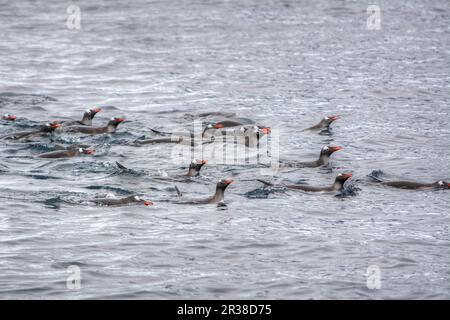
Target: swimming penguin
x: 193, y: 171
x: 216, y: 198
x: 215, y: 113
x: 115, y: 202
x: 324, y: 124
x: 338, y: 184
x: 86, y: 120
x: 67, y: 153
x: 109, y: 128
x: 184, y: 137
x: 324, y: 159
x: 195, y: 167
x: 249, y: 135
x: 9, y: 117
x: 410, y: 185
x: 228, y: 123
x: 47, y: 128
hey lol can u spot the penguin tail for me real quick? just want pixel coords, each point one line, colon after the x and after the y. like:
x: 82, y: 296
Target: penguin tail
x: 265, y: 182
x: 375, y: 175
x: 178, y: 191
x: 120, y: 166
x: 159, y: 132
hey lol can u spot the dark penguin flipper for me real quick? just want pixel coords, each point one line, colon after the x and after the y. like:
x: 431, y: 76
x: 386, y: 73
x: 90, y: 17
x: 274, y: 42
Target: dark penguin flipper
x: 269, y: 184
x: 122, y: 167
x: 160, y: 132
x: 178, y: 191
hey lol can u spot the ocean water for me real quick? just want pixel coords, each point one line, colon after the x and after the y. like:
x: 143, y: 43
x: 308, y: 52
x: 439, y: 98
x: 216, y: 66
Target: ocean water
x: 285, y: 64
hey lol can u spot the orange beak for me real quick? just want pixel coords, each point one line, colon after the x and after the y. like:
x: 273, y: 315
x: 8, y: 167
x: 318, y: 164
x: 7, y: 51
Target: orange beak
x: 120, y: 119
x: 88, y: 151
x: 218, y: 126
x: 347, y: 175
x: 334, y: 117
x: 229, y: 181
x: 10, y: 117
x: 265, y: 130
x: 148, y: 203
x: 55, y: 125
x: 334, y: 149
x: 97, y: 110
x: 202, y: 161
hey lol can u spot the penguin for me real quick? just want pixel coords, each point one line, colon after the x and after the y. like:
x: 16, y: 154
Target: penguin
x: 214, y: 129
x: 250, y: 135
x: 230, y: 123
x: 86, y: 120
x: 217, y: 197
x: 185, y: 138
x: 67, y: 153
x: 115, y: 202
x: 47, y: 128
x: 324, y: 124
x: 193, y: 171
x: 324, y: 159
x: 215, y: 114
x: 338, y: 184
x: 195, y: 167
x: 9, y: 117
x: 109, y: 128
x: 410, y: 185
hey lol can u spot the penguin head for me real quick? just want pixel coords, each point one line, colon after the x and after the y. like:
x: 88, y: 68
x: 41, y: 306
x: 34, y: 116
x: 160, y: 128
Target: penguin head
x: 442, y: 184
x: 92, y: 112
x: 330, y: 119
x: 343, y: 177
x: 207, y: 127
x: 9, y: 117
x: 224, y: 183
x: 86, y: 151
x: 265, y: 130
x: 257, y: 130
x: 197, y: 164
x: 95, y: 110
x: 329, y: 150
x: 51, y: 126
x: 144, y: 202
x: 115, y: 121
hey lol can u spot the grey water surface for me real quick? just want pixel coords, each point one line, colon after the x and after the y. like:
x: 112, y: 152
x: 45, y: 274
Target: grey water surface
x: 285, y: 64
